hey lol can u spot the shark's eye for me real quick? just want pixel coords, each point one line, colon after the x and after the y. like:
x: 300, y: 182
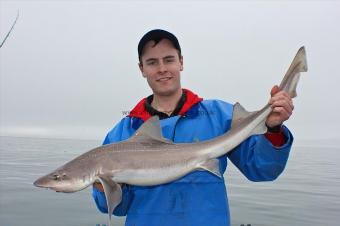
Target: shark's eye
x: 56, y: 177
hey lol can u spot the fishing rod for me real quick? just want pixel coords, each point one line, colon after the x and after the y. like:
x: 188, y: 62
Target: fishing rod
x: 15, y: 21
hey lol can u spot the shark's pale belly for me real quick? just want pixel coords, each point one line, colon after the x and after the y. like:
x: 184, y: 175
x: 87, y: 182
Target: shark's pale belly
x: 154, y: 176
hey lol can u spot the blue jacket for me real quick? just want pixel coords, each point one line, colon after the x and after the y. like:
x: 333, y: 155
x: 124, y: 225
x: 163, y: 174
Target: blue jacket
x: 199, y: 198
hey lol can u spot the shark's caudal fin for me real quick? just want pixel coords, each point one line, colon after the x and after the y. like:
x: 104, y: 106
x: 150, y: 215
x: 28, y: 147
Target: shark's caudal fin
x: 288, y: 84
x: 113, y: 194
x: 150, y: 132
x: 291, y: 79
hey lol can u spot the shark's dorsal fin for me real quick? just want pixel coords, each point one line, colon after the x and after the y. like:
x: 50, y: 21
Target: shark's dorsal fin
x: 239, y: 113
x: 241, y: 116
x: 150, y: 132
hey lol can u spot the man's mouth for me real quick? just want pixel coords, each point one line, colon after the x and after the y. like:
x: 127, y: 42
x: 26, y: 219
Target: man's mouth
x: 163, y: 79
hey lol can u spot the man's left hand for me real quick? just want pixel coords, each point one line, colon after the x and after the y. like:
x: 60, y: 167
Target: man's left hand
x: 282, y: 107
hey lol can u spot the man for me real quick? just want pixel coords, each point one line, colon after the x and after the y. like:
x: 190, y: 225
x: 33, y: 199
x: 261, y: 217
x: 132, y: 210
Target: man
x: 199, y: 198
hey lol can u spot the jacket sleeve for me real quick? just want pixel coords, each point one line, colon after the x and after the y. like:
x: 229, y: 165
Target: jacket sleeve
x: 115, y: 135
x: 259, y: 160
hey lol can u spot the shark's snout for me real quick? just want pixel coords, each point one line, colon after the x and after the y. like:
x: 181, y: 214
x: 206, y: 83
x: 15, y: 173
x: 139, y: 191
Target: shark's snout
x: 37, y: 183
x: 42, y: 182
x: 60, y: 181
x: 51, y: 181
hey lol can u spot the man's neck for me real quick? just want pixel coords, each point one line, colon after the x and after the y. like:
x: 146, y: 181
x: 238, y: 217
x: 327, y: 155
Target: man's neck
x: 166, y: 104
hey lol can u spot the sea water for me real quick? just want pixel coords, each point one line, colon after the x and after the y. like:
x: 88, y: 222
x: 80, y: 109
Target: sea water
x: 306, y: 194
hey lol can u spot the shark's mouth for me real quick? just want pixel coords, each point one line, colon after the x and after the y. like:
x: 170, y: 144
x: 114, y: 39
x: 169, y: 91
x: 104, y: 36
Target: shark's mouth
x: 39, y: 184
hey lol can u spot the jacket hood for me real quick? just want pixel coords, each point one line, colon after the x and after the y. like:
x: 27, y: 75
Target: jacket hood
x: 139, y: 110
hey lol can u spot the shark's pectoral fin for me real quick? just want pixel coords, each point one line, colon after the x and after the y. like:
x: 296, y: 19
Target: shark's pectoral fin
x: 211, y: 165
x: 113, y: 194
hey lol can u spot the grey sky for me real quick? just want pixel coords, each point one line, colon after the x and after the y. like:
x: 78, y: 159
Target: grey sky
x: 69, y: 68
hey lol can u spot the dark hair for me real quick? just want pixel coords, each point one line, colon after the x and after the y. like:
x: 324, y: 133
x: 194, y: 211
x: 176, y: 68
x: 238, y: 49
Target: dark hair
x: 157, y: 35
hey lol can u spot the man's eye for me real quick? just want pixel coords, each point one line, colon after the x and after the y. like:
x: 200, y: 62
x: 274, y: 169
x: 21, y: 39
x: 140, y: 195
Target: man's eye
x: 151, y: 63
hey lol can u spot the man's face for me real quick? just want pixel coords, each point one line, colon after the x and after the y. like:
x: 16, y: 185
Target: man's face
x: 161, y: 66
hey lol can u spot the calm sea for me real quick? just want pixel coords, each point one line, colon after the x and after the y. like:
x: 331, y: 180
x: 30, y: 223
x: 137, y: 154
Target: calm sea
x: 306, y: 194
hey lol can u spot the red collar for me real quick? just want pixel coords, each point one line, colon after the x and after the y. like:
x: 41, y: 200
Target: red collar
x: 139, y: 110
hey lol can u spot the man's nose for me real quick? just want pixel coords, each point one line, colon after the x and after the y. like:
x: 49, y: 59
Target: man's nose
x: 162, y: 68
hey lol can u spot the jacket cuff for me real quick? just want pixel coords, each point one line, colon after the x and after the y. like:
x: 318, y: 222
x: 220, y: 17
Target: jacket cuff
x: 273, y: 139
x: 280, y: 138
x: 276, y: 138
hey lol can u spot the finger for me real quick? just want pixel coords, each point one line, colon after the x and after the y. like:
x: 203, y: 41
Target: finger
x: 281, y: 96
x: 288, y: 105
x: 281, y: 93
x: 274, y: 90
x: 282, y: 113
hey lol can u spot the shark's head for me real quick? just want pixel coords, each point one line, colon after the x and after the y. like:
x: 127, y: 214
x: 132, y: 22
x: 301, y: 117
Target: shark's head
x: 62, y: 180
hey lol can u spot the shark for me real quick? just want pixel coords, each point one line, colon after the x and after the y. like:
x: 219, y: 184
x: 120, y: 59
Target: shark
x: 147, y: 158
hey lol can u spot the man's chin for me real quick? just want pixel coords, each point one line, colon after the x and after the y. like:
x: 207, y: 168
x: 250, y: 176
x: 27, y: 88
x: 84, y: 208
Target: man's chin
x: 166, y: 92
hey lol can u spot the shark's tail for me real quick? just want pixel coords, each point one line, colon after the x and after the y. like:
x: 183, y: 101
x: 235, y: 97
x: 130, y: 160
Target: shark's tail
x: 290, y: 80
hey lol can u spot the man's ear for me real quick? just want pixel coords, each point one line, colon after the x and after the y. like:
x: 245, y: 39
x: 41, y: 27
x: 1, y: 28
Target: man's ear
x: 140, y: 65
x: 181, y: 61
